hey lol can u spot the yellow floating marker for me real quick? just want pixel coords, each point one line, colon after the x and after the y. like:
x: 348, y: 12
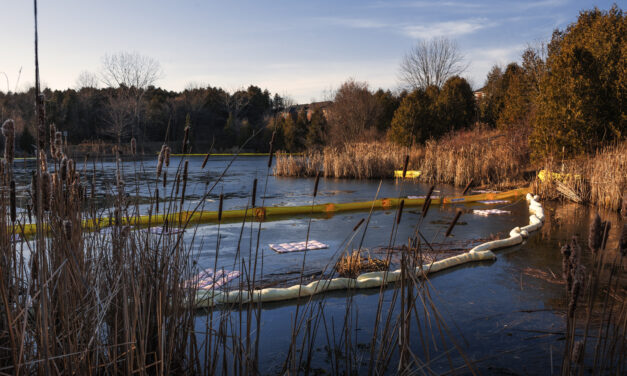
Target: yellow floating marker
x: 545, y: 175
x: 410, y: 174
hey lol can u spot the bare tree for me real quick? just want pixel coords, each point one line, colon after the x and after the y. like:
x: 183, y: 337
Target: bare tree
x: 430, y: 63
x: 353, y: 114
x: 119, y: 117
x: 131, y: 74
x: 87, y: 79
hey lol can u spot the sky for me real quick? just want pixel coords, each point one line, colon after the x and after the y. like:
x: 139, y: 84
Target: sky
x: 303, y: 49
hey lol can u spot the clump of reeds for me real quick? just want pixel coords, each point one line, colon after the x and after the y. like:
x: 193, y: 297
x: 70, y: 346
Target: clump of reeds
x: 8, y: 131
x: 364, y: 160
x: 353, y: 264
x: 599, y: 179
x: 485, y: 157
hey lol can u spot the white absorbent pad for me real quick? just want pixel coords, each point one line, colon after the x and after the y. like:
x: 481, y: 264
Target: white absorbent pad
x: 298, y: 246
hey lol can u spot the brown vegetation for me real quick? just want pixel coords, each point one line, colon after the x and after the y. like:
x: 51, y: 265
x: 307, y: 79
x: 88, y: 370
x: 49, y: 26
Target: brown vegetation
x: 353, y: 264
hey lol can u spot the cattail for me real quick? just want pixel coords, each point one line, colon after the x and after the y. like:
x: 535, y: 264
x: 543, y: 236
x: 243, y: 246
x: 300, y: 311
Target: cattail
x: 13, y: 203
x: 71, y: 169
x: 405, y: 166
x: 623, y: 210
x: 157, y: 200
x: 58, y: 145
x: 358, y: 224
x: 63, y: 169
x: 622, y: 245
x: 160, y: 161
x: 177, y: 180
x: 33, y: 189
x: 315, y: 192
x: 46, y: 190
x: 595, y: 238
x: 467, y: 187
x: 185, y: 165
x: 43, y: 164
x: 400, y: 212
x: 425, y: 207
x: 270, y: 151
x: 165, y: 179
x: 67, y: 227
x: 566, y: 274
x: 578, y: 278
x: 167, y: 156
x: 133, y: 146
x: 220, y: 207
x: 254, y: 192
x: 8, y: 131
x: 204, y: 161
x: 53, y: 131
x: 41, y: 122
x: 185, y: 137
x: 452, y: 225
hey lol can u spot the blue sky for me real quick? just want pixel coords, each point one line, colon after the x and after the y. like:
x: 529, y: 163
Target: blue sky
x: 304, y: 49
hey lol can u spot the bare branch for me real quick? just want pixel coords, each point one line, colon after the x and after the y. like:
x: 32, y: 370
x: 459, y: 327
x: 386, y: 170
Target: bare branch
x: 431, y: 63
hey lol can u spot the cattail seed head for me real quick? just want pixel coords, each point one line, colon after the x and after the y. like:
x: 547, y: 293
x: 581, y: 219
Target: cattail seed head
x: 46, y: 190
x: 58, y: 145
x: 358, y: 224
x: 185, y: 138
x: 53, y: 131
x: 8, y: 131
x: 254, y: 192
x: 43, y: 164
x: 41, y: 121
x: 204, y: 162
x: 160, y: 160
x: 405, y: 166
x: 63, y: 169
x: 578, y: 352
x: 13, y: 202
x: 595, y: 238
x: 220, y: 207
x: 157, y: 200
x: 315, y: 192
x: 167, y: 156
x: 133, y: 146
x: 400, y: 212
x: 67, y: 227
x: 452, y: 225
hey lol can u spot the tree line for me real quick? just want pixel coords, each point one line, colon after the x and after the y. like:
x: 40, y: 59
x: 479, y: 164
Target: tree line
x: 568, y: 96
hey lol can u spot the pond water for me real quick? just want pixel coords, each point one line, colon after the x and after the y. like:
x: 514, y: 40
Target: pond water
x: 506, y: 315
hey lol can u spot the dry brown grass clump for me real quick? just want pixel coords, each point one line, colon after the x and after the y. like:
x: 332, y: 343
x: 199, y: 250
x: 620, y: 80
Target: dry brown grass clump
x: 353, y: 264
x: 600, y: 179
x: 484, y: 156
x: 363, y: 160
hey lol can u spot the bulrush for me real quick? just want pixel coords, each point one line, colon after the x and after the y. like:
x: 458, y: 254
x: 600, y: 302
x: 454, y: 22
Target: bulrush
x: 63, y: 169
x: 566, y: 266
x: 8, y: 131
x: 58, y: 145
x: 53, y: 131
x: 133, y: 146
x: 595, y: 238
x: 13, y: 202
x: 578, y: 277
x: 167, y: 156
x: 160, y: 160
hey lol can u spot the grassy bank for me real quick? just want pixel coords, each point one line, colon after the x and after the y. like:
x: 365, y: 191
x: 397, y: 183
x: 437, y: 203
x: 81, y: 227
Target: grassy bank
x: 480, y: 157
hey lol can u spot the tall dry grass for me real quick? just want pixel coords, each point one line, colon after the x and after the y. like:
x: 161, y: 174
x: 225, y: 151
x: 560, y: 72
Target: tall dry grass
x: 482, y: 156
x: 363, y: 160
x: 600, y: 179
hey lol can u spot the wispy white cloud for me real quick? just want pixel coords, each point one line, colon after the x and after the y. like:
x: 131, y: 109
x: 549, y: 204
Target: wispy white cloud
x: 447, y: 28
x: 355, y: 23
x: 423, y: 4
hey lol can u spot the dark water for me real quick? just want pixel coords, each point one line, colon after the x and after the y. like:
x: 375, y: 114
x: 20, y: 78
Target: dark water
x: 506, y: 316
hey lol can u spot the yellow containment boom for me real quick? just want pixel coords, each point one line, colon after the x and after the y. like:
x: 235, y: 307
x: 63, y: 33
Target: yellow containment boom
x: 262, y: 213
x: 409, y: 174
